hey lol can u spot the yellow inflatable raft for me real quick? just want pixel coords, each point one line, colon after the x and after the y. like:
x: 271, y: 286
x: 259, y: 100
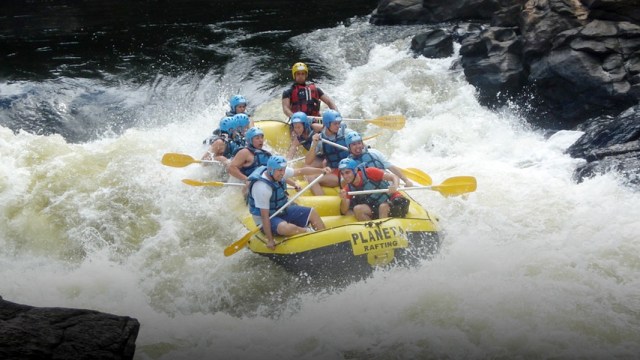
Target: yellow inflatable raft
x: 349, y: 247
x: 346, y: 246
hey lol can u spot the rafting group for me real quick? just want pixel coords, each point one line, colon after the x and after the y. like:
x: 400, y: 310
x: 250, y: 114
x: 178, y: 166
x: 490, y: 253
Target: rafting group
x: 336, y: 160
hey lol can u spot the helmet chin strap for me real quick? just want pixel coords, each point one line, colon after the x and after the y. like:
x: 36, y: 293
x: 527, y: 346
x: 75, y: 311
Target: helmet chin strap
x: 355, y: 176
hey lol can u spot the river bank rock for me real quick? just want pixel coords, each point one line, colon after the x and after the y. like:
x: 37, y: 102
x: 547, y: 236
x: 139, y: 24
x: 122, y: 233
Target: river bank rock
x: 28, y: 332
x: 433, y: 44
x: 564, y: 61
x: 610, y: 143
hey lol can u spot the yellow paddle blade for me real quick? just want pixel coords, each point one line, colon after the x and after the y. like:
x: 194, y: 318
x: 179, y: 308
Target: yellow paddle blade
x: 457, y: 185
x: 418, y: 176
x: 177, y: 160
x: 236, y: 246
x: 202, y: 183
x: 394, y: 122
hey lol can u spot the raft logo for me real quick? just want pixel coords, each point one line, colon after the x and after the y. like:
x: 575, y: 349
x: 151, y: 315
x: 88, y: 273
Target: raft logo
x: 380, y: 238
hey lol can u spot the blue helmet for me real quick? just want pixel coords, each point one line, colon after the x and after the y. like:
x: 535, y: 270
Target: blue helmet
x: 227, y: 124
x: 299, y: 117
x: 241, y: 120
x: 235, y: 101
x: 330, y: 116
x: 276, y: 162
x: 251, y: 133
x: 348, y: 163
x: 351, y: 138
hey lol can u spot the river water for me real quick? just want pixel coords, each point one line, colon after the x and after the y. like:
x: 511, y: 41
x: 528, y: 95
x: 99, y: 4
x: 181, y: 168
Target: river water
x: 533, y: 265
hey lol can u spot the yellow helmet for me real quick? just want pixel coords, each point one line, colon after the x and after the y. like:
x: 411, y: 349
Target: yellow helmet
x: 299, y: 67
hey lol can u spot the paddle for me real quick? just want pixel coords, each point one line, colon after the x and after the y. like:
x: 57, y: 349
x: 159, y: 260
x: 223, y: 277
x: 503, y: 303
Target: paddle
x: 214, y: 183
x: 370, y: 137
x: 417, y: 175
x: 182, y: 160
x: 414, y: 174
x: 453, y: 186
x: 341, y: 147
x: 296, y: 159
x: 394, y: 122
x: 233, y: 248
x: 209, y: 183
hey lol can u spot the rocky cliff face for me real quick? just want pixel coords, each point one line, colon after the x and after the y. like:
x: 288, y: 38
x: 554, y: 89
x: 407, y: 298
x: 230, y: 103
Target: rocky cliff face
x: 579, y: 58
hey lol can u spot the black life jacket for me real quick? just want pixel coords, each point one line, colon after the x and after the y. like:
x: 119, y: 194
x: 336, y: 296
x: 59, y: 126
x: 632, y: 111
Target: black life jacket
x: 306, y: 143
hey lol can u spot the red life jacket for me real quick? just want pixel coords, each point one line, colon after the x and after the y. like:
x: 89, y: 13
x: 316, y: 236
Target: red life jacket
x: 305, y: 98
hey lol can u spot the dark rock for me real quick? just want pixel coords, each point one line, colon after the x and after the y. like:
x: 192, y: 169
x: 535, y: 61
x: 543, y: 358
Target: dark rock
x: 464, y: 30
x: 541, y: 21
x: 605, y: 131
x: 590, y: 70
x: 610, y: 143
x: 433, y: 44
x: 398, y: 12
x: 507, y: 16
x: 492, y: 63
x: 447, y: 10
x: 626, y: 164
x: 28, y: 332
x: 615, y: 10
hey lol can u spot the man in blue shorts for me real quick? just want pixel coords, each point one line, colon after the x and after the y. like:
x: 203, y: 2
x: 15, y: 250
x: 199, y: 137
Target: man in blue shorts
x: 268, y: 193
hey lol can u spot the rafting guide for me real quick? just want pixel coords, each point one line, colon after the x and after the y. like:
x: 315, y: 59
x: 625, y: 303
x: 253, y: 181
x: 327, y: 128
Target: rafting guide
x: 304, y: 96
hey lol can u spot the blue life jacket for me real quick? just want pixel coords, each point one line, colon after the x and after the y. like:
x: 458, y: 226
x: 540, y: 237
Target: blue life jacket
x: 373, y: 200
x: 260, y: 157
x: 231, y: 147
x: 332, y: 154
x: 278, y: 196
x: 368, y: 159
